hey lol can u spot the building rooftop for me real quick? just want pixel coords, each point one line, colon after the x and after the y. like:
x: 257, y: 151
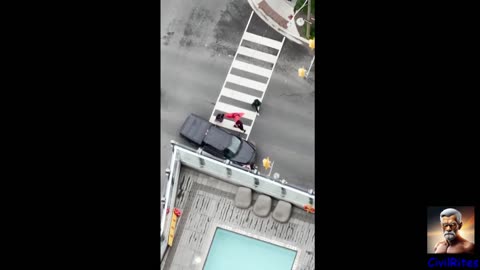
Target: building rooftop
x: 207, y: 203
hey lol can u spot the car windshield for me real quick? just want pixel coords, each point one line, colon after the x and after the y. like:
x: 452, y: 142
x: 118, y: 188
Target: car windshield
x: 234, y: 146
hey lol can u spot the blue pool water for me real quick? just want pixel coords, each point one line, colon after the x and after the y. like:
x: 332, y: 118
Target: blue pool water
x: 233, y: 251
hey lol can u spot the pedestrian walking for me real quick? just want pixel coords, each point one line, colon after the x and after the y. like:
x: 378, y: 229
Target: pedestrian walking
x: 236, y: 116
x: 219, y: 117
x: 256, y: 105
x: 239, y: 124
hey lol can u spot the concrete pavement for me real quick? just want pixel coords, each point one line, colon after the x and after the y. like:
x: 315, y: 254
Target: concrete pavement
x: 199, y: 42
x: 278, y: 15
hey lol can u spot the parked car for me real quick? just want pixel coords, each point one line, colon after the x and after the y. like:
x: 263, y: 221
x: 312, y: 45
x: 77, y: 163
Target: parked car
x: 218, y: 141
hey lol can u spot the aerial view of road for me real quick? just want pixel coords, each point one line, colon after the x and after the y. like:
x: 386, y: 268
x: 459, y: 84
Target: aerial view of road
x: 199, y: 40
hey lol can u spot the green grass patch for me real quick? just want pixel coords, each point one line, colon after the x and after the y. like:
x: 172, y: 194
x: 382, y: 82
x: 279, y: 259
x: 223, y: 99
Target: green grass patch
x: 312, y: 31
x: 304, y: 10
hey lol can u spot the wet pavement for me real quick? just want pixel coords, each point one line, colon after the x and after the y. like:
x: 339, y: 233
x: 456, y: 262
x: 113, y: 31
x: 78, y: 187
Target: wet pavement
x: 198, y: 42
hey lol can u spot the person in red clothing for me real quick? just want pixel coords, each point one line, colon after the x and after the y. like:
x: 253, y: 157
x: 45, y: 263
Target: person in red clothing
x: 236, y: 116
x: 239, y: 124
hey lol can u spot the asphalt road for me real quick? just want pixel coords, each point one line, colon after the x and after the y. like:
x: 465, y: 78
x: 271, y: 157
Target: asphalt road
x: 198, y: 42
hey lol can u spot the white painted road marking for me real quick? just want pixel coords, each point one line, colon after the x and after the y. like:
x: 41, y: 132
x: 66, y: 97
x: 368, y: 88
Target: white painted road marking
x: 257, y: 54
x: 238, y: 95
x: 252, y: 68
x: 243, y: 98
x: 246, y: 82
x: 263, y: 40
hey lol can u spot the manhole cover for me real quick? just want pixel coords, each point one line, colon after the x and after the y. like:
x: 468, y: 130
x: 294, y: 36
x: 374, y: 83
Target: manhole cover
x: 300, y: 21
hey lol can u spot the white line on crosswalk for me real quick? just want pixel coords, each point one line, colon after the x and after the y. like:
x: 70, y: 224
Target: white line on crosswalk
x: 238, y: 95
x: 246, y: 82
x: 252, y: 68
x: 235, y: 57
x: 224, y: 107
x: 273, y: 68
x: 262, y: 40
x: 257, y: 54
x: 268, y: 81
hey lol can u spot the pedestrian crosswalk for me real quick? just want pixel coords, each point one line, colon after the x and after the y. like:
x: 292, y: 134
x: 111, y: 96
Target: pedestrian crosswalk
x: 247, y: 79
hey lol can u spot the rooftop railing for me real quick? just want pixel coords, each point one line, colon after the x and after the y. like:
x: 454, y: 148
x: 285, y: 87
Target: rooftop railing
x: 231, y: 173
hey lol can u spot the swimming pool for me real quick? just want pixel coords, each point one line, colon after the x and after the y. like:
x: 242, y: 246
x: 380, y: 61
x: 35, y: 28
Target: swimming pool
x: 234, y: 251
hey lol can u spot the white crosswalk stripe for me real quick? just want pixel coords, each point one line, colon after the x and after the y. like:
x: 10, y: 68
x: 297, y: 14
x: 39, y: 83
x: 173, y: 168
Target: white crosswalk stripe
x: 238, y: 95
x: 257, y: 54
x: 251, y: 68
x: 242, y: 100
x: 263, y: 40
x: 246, y: 82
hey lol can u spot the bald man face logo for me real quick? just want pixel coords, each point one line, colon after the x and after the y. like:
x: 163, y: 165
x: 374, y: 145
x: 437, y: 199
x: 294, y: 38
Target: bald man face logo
x: 450, y: 227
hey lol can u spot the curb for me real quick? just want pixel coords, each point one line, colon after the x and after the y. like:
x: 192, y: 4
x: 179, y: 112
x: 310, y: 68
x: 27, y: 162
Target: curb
x: 275, y: 26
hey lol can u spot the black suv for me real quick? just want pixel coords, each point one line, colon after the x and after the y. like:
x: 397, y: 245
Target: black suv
x: 217, y: 141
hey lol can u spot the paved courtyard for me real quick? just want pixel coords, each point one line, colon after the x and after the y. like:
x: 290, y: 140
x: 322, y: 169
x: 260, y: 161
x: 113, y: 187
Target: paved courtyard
x: 208, y: 203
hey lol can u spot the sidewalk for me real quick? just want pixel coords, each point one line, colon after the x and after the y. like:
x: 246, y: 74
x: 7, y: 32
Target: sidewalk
x: 277, y: 14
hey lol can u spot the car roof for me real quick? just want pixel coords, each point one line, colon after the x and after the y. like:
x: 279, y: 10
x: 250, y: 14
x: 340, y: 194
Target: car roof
x: 195, y: 128
x: 218, y: 138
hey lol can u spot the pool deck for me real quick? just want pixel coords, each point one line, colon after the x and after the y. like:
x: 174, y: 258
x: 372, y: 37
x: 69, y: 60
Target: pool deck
x: 207, y: 203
